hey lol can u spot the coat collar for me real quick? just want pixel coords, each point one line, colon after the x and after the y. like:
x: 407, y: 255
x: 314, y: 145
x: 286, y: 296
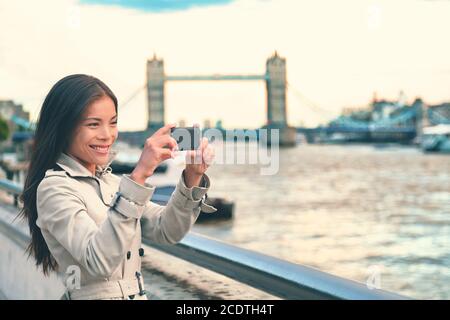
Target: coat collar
x: 75, y: 169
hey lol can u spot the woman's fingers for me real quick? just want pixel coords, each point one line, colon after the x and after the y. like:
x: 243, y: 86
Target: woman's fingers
x: 194, y: 157
x: 165, y: 154
x: 165, y: 129
x: 200, y: 151
x: 155, y: 151
x: 204, y: 143
x: 204, y: 154
x: 208, y: 155
x: 169, y: 141
x: 162, y: 138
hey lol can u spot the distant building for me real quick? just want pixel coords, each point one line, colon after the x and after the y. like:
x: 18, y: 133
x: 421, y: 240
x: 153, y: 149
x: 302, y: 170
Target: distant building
x: 384, y: 109
x: 207, y: 124
x: 360, y: 114
x: 219, y: 124
x: 351, y: 110
x: 8, y: 109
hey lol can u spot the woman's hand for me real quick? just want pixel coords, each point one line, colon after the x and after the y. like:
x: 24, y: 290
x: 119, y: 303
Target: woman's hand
x: 197, y: 162
x: 155, y: 151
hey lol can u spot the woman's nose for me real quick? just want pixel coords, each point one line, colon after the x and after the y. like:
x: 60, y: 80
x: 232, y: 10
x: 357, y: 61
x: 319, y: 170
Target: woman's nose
x: 106, y: 132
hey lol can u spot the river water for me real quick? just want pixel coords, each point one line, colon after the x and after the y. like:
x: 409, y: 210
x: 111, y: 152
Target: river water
x: 357, y: 211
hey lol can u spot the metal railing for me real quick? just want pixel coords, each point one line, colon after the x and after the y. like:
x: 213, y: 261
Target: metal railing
x: 275, y: 276
x: 13, y: 188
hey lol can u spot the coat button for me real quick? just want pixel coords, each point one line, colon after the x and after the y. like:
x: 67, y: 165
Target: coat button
x: 128, y: 255
x: 141, y: 252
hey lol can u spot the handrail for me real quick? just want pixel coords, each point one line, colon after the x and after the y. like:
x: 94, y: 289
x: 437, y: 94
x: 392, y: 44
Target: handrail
x: 275, y: 276
x: 281, y: 278
x: 11, y: 187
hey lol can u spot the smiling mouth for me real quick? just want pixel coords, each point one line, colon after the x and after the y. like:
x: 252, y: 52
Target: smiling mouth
x: 100, y: 149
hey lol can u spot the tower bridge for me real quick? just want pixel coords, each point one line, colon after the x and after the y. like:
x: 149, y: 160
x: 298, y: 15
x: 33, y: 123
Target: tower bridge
x: 274, y: 77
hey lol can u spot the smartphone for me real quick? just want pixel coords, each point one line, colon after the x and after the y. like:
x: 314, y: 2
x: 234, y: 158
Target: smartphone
x: 188, y: 138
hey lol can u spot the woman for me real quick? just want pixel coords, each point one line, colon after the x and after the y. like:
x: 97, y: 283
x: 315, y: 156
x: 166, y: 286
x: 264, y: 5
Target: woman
x: 83, y: 217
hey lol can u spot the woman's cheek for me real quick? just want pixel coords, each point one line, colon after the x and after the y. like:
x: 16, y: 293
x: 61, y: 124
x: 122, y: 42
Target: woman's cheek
x: 115, y: 134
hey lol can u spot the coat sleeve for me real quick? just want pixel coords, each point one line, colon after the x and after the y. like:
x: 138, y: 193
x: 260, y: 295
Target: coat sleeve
x: 98, y: 248
x: 170, y: 223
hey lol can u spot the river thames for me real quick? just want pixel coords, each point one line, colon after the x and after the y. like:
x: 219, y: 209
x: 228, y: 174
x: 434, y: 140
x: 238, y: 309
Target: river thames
x: 357, y: 211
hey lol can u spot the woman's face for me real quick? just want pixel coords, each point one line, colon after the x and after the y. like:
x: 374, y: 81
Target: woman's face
x: 95, y: 134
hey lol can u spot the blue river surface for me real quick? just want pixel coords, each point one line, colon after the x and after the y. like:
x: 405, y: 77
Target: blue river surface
x: 356, y: 211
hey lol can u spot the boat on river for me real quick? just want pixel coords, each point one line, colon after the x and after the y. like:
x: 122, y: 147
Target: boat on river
x: 436, y: 139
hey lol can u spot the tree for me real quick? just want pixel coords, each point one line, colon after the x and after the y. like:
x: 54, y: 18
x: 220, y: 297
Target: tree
x: 4, y: 130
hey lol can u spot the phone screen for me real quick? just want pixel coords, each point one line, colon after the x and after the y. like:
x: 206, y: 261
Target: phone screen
x: 188, y: 138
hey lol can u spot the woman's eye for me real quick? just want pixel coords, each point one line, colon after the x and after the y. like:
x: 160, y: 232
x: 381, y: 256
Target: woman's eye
x: 115, y: 122
x: 92, y: 125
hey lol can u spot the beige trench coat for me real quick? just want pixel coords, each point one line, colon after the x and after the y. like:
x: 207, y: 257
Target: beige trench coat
x: 94, y: 223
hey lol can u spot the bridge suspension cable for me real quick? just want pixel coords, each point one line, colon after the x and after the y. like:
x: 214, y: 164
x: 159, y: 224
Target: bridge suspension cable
x: 437, y: 117
x: 132, y: 96
x: 308, y: 102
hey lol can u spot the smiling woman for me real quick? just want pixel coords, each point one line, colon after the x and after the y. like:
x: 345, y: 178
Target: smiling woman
x: 83, y: 217
x: 96, y: 133
x: 57, y: 129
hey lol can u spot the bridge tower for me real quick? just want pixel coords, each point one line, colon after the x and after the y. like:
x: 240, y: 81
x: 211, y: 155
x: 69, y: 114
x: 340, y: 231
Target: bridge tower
x: 276, y: 99
x: 155, y: 92
x: 276, y: 91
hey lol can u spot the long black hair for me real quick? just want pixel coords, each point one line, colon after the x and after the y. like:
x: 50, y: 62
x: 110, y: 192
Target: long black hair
x: 58, y: 118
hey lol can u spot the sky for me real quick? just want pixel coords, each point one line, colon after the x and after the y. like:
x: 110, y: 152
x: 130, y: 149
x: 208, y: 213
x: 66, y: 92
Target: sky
x: 338, y: 53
